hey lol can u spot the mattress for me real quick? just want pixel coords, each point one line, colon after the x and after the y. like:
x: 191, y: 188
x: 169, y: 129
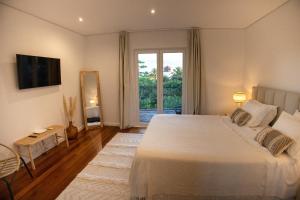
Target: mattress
x: 208, y: 157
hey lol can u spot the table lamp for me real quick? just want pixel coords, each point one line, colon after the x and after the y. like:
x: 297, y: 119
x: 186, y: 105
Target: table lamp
x: 239, y: 98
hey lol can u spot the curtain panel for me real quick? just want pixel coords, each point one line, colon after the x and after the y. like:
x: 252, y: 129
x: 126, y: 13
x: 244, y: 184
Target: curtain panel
x: 195, y: 75
x: 124, y: 79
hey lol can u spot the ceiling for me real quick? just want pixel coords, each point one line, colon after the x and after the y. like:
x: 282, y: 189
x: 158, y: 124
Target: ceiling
x: 105, y: 16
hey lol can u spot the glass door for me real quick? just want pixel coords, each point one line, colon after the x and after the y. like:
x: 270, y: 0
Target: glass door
x: 147, y: 84
x: 160, y: 75
x: 172, y: 82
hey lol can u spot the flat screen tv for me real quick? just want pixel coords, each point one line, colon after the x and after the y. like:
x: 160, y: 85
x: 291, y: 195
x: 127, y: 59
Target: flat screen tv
x: 35, y: 71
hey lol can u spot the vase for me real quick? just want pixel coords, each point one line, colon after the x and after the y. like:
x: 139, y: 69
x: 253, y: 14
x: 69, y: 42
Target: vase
x: 72, y: 131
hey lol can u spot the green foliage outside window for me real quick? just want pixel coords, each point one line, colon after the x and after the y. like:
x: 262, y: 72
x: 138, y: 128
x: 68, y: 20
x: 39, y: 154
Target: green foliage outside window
x: 172, y: 85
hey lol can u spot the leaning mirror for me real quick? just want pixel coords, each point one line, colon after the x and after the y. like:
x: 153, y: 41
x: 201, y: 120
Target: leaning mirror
x: 91, y: 99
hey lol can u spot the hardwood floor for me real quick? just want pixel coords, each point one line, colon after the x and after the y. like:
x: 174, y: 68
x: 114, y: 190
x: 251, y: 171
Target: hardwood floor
x: 59, y: 166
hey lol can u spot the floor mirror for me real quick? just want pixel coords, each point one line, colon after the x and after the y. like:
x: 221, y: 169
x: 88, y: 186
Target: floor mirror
x: 91, y: 99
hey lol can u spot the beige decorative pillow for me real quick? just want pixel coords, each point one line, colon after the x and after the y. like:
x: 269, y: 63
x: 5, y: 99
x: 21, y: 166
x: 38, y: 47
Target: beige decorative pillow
x: 262, y: 134
x: 237, y: 111
x: 274, y: 141
x: 240, y: 117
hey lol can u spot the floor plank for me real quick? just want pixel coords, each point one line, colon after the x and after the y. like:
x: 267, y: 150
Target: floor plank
x: 59, y: 166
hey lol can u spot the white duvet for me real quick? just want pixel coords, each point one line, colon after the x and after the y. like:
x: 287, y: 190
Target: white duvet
x: 208, y: 157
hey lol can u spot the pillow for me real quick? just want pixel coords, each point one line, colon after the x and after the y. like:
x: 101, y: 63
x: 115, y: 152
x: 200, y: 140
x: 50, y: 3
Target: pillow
x: 297, y: 114
x: 290, y: 126
x: 273, y: 110
x: 262, y: 114
x: 241, y: 118
x: 262, y: 134
x: 274, y: 141
x: 237, y: 111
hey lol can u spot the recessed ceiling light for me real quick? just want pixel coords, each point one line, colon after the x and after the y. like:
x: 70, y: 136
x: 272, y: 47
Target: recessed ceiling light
x: 152, y: 11
x: 80, y: 19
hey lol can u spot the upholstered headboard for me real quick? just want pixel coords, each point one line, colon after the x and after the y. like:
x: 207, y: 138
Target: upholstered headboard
x: 285, y: 100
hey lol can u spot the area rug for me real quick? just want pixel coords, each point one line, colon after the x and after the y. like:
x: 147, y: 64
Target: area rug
x: 106, y: 176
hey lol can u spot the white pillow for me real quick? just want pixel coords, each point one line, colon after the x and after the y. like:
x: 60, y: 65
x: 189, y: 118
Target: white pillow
x: 297, y: 114
x: 261, y: 114
x: 288, y: 125
x: 270, y: 116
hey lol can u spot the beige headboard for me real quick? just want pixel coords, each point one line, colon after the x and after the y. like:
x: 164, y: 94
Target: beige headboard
x: 285, y: 100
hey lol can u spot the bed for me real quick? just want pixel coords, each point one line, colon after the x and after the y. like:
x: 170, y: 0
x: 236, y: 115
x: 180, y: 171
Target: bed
x: 208, y: 157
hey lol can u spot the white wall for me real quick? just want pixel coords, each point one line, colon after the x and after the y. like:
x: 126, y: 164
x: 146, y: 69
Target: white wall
x: 102, y: 54
x: 273, y: 50
x: 22, y: 111
x: 223, y: 59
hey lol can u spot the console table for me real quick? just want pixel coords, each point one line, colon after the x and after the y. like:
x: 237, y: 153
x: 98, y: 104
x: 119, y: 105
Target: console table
x: 28, y: 141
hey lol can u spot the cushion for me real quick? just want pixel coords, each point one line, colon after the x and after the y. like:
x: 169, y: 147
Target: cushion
x: 240, y: 117
x: 273, y: 110
x: 276, y: 142
x: 290, y: 126
x: 262, y: 114
x: 262, y: 134
x: 273, y: 140
x: 235, y: 112
x: 297, y: 114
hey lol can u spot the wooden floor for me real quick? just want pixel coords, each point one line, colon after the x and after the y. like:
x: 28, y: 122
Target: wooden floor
x: 59, y: 166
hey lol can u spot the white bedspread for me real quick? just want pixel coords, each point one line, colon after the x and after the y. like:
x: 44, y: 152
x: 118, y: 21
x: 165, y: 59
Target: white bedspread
x: 205, y: 157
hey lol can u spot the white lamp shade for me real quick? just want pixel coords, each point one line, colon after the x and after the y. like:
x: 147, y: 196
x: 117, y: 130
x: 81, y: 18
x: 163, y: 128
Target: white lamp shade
x: 239, y: 97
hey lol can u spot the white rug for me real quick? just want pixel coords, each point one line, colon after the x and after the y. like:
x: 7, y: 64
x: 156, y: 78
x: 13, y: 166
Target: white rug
x: 106, y: 176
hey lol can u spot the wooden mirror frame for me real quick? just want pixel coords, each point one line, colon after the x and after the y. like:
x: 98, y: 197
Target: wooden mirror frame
x: 83, y: 98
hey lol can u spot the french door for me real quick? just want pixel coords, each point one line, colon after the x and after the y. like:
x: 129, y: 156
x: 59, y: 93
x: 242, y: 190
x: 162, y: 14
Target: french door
x: 160, y: 82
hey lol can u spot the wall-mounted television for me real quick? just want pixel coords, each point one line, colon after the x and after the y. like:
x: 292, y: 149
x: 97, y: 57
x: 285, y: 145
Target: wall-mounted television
x: 35, y: 71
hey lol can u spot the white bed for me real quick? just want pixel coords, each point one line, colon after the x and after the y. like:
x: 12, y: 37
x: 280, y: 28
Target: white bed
x: 204, y: 157
x: 208, y: 157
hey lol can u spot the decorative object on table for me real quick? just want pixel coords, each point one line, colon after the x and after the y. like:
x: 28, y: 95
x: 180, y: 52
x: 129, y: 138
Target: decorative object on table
x: 91, y: 99
x: 239, y: 98
x: 39, y: 131
x: 9, y: 164
x: 72, y: 130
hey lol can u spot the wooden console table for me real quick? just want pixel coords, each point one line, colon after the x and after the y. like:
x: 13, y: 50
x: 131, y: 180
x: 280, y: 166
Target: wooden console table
x: 28, y: 142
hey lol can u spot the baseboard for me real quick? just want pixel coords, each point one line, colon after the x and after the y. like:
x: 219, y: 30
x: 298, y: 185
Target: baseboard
x: 111, y: 124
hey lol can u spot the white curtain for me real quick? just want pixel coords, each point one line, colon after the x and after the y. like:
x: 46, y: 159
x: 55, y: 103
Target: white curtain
x: 124, y: 79
x: 195, y: 79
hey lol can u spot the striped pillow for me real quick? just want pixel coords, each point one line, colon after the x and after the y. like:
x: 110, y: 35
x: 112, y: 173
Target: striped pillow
x: 262, y: 134
x: 240, y: 117
x: 237, y: 111
x: 274, y: 141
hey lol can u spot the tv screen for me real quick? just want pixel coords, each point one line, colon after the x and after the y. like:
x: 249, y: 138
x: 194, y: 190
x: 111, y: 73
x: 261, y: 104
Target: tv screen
x: 34, y: 71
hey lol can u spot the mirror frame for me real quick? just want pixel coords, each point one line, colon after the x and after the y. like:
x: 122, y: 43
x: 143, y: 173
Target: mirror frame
x: 83, y: 99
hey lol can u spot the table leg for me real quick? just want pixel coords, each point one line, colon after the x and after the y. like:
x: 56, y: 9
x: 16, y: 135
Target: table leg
x: 66, y: 138
x: 56, y: 139
x: 31, y: 158
x: 27, y: 169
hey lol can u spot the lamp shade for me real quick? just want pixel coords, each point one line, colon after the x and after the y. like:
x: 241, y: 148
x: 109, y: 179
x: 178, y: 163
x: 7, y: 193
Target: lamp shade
x: 239, y: 97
